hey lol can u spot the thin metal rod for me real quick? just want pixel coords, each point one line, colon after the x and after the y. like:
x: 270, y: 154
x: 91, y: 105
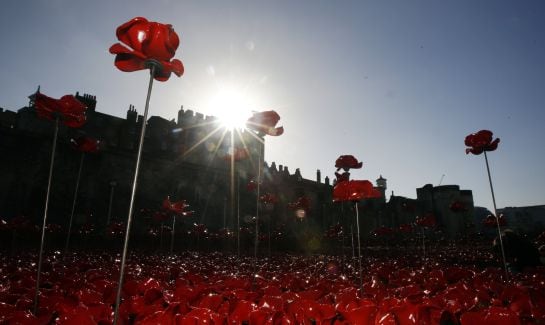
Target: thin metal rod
x: 238, y: 215
x: 224, y: 212
x: 359, y: 249
x: 109, y: 215
x: 172, y: 233
x: 352, y: 239
x: 131, y: 204
x: 40, y: 254
x: 256, y: 244
x: 232, y: 184
x: 74, y: 204
x: 161, y: 237
x: 497, y: 218
x: 423, y: 245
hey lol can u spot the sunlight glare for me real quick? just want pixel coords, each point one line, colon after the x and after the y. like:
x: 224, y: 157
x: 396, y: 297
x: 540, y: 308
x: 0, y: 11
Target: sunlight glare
x: 232, y: 107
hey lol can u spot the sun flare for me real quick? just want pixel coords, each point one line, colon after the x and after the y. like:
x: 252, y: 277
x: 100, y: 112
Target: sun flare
x: 232, y: 107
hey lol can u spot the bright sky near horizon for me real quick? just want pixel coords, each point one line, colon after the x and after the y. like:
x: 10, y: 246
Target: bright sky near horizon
x: 398, y: 84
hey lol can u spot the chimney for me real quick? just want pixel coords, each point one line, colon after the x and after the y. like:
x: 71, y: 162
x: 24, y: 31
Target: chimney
x: 318, y: 176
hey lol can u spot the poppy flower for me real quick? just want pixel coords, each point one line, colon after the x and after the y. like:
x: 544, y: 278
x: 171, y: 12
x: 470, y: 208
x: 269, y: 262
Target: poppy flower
x: 142, y: 42
x: 354, y: 191
x: 302, y: 203
x: 251, y: 186
x: 53, y: 228
x: 85, y: 144
x: 160, y: 216
x: 199, y: 229
x: 347, y: 162
x: 70, y: 110
x: 491, y: 221
x: 264, y: 123
x: 268, y: 198
x: 457, y: 206
x: 480, y: 142
x: 177, y: 208
x: 86, y: 229
x: 383, y: 231
x: 428, y: 220
x: 334, y: 232
x: 492, y: 315
x: 405, y: 228
x: 342, y: 177
x: 115, y: 229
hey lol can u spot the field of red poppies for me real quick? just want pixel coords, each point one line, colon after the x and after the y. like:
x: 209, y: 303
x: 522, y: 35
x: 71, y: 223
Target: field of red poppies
x: 455, y: 285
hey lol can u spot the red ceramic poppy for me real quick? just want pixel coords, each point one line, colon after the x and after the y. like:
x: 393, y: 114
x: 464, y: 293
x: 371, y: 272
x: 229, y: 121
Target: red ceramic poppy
x: 86, y: 229
x: 480, y: 142
x: 490, y: 221
x: 405, y: 228
x: 160, y: 216
x: 383, y: 231
x: 302, y: 203
x: 53, y: 228
x: 199, y: 229
x: 264, y: 123
x: 334, y: 232
x: 342, y: 177
x: 70, y: 110
x: 457, y: 206
x: 115, y: 229
x: 178, y: 208
x: 269, y: 198
x: 492, y: 315
x: 143, y: 41
x: 251, y: 186
x: 241, y: 312
x: 85, y: 144
x: 354, y: 191
x: 347, y: 162
x: 428, y: 220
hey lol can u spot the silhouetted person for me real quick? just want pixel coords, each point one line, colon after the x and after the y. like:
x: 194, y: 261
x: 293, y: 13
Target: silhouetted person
x: 519, y: 253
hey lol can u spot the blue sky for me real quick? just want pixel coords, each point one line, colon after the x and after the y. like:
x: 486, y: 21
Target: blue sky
x: 398, y: 84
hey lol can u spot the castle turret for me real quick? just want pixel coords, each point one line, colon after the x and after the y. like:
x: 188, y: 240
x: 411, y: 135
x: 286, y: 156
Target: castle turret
x: 131, y: 114
x: 381, y: 182
x: 381, y: 186
x: 88, y: 100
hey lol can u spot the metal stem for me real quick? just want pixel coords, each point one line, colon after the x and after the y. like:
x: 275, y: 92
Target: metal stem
x: 359, y: 249
x: 423, y: 245
x: 497, y: 218
x: 172, y: 233
x: 232, y: 184
x: 352, y: 239
x: 131, y: 204
x: 161, y: 237
x: 40, y: 254
x: 238, y: 215
x: 74, y: 204
x: 109, y: 215
x: 256, y: 244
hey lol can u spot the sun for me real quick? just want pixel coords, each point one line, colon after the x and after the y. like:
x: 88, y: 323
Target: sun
x: 232, y: 107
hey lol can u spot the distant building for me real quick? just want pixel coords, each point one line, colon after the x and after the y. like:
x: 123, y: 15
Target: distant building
x: 188, y: 158
x: 527, y: 220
